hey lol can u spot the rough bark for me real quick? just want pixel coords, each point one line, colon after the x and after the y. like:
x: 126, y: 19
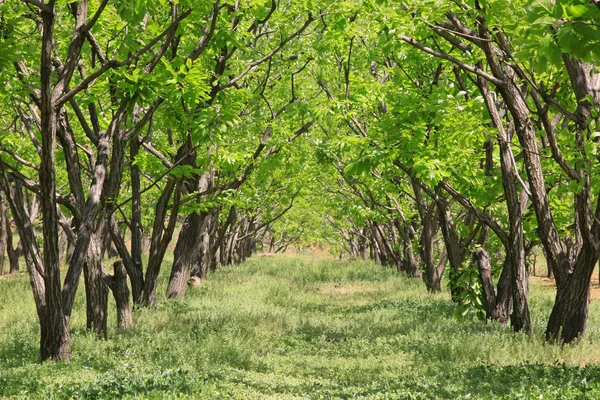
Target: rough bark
x: 569, y: 315
x: 3, y: 232
x: 451, y: 241
x: 515, y: 247
x: 118, y: 286
x: 432, y: 274
x: 96, y: 292
x: 14, y: 253
x: 161, y: 237
x: 55, y: 340
x: 485, y: 274
x: 186, y: 255
x: 136, y: 216
x: 136, y: 275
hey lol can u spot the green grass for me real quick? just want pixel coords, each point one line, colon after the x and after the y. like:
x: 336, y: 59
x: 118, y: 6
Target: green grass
x: 299, y: 327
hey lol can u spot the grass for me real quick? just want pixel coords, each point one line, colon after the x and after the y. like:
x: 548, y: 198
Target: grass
x: 297, y: 327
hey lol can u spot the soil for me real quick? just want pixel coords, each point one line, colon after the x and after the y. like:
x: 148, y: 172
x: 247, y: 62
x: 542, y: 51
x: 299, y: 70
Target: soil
x: 594, y: 284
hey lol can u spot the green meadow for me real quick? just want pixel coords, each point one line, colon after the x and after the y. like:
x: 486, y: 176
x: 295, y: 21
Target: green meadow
x: 299, y: 327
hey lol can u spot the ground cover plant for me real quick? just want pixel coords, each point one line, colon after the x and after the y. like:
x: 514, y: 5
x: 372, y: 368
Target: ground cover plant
x: 300, y: 327
x: 444, y: 152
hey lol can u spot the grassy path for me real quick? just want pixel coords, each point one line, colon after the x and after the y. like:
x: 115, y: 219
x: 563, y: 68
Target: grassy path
x: 296, y: 328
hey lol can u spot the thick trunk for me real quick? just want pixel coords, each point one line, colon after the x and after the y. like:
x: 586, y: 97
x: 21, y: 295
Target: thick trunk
x: 432, y: 273
x: 202, y: 266
x: 570, y: 312
x: 497, y: 307
x: 97, y: 195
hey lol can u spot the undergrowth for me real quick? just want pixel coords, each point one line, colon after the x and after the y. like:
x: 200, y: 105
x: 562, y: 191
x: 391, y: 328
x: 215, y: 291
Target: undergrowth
x: 299, y: 327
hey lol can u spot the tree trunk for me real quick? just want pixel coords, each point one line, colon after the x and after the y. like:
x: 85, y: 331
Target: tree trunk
x: 570, y: 312
x: 452, y: 242
x: 432, y: 274
x: 14, y: 253
x: 136, y: 214
x: 96, y: 292
x: 118, y: 285
x: 485, y: 274
x: 3, y: 233
x: 161, y: 237
x: 515, y: 248
x: 136, y: 275
x: 186, y: 255
x: 55, y: 338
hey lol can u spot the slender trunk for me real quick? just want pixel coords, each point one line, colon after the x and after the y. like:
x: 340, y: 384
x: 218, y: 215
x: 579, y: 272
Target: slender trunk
x: 186, y: 254
x: 515, y: 248
x: 136, y: 214
x: 14, y: 253
x: 96, y: 292
x: 136, y: 275
x: 3, y: 232
x: 55, y: 339
x: 453, y: 246
x: 485, y: 273
x: 504, y: 295
x: 62, y: 246
x: 161, y: 237
x: 118, y: 286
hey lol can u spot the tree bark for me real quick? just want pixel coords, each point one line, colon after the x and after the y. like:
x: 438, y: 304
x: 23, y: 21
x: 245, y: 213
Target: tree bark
x: 96, y: 292
x: 55, y: 338
x: 3, y: 232
x: 14, y: 253
x: 570, y: 312
x: 186, y: 255
x: 161, y: 237
x: 515, y: 248
x: 118, y: 286
x: 136, y: 216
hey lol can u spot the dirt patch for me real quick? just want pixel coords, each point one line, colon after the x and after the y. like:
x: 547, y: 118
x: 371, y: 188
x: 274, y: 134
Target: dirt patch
x: 341, y: 289
x: 265, y: 254
x: 11, y: 277
x: 594, y: 285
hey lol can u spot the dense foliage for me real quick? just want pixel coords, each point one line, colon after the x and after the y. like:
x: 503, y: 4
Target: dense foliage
x: 449, y: 141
